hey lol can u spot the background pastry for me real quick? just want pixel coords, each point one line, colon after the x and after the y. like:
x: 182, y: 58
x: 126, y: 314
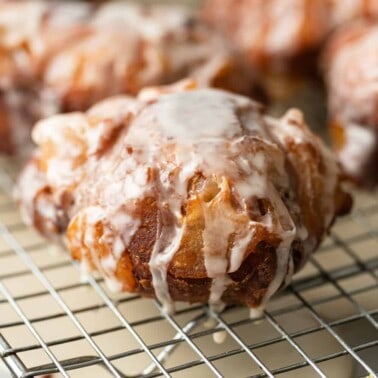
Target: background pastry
x: 350, y: 62
x: 184, y: 193
x: 282, y: 38
x: 73, y: 54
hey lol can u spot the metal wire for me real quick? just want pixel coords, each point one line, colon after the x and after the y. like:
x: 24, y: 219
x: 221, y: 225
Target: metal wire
x: 181, y: 343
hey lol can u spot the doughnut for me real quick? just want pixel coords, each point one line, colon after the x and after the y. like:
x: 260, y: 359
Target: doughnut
x: 184, y: 193
x: 73, y: 54
x: 271, y: 32
x: 282, y: 38
x: 350, y: 64
x: 344, y: 11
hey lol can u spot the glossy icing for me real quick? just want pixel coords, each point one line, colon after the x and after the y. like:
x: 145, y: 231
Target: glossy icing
x: 164, y: 140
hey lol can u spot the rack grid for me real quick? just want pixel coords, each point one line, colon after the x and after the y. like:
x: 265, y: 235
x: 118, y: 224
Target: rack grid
x: 53, y: 322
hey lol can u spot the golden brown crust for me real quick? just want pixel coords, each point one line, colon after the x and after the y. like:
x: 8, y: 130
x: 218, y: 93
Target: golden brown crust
x: 272, y: 33
x: 282, y: 39
x: 72, y: 54
x: 197, y: 197
x: 187, y: 277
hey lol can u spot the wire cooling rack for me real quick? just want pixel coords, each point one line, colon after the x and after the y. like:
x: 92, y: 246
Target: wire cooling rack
x: 51, y: 321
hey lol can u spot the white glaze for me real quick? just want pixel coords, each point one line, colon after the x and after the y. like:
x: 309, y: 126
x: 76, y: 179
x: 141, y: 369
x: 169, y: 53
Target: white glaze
x: 167, y: 140
x: 286, y: 229
x: 69, y: 12
x: 198, y: 116
x: 152, y: 24
x: 159, y: 262
x: 353, y: 80
x: 257, y: 312
x: 220, y: 337
x: 360, y: 144
x: 344, y: 11
x: 288, y: 18
x: 84, y: 271
x: 204, y: 121
x: 278, y: 30
x: 118, y: 229
x: 26, y: 33
x: 21, y: 22
x: 352, y: 75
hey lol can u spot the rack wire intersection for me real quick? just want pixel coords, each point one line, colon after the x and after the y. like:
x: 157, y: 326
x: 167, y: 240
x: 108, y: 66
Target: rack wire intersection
x: 51, y: 321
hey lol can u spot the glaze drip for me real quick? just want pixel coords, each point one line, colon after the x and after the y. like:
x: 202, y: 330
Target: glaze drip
x: 184, y: 184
